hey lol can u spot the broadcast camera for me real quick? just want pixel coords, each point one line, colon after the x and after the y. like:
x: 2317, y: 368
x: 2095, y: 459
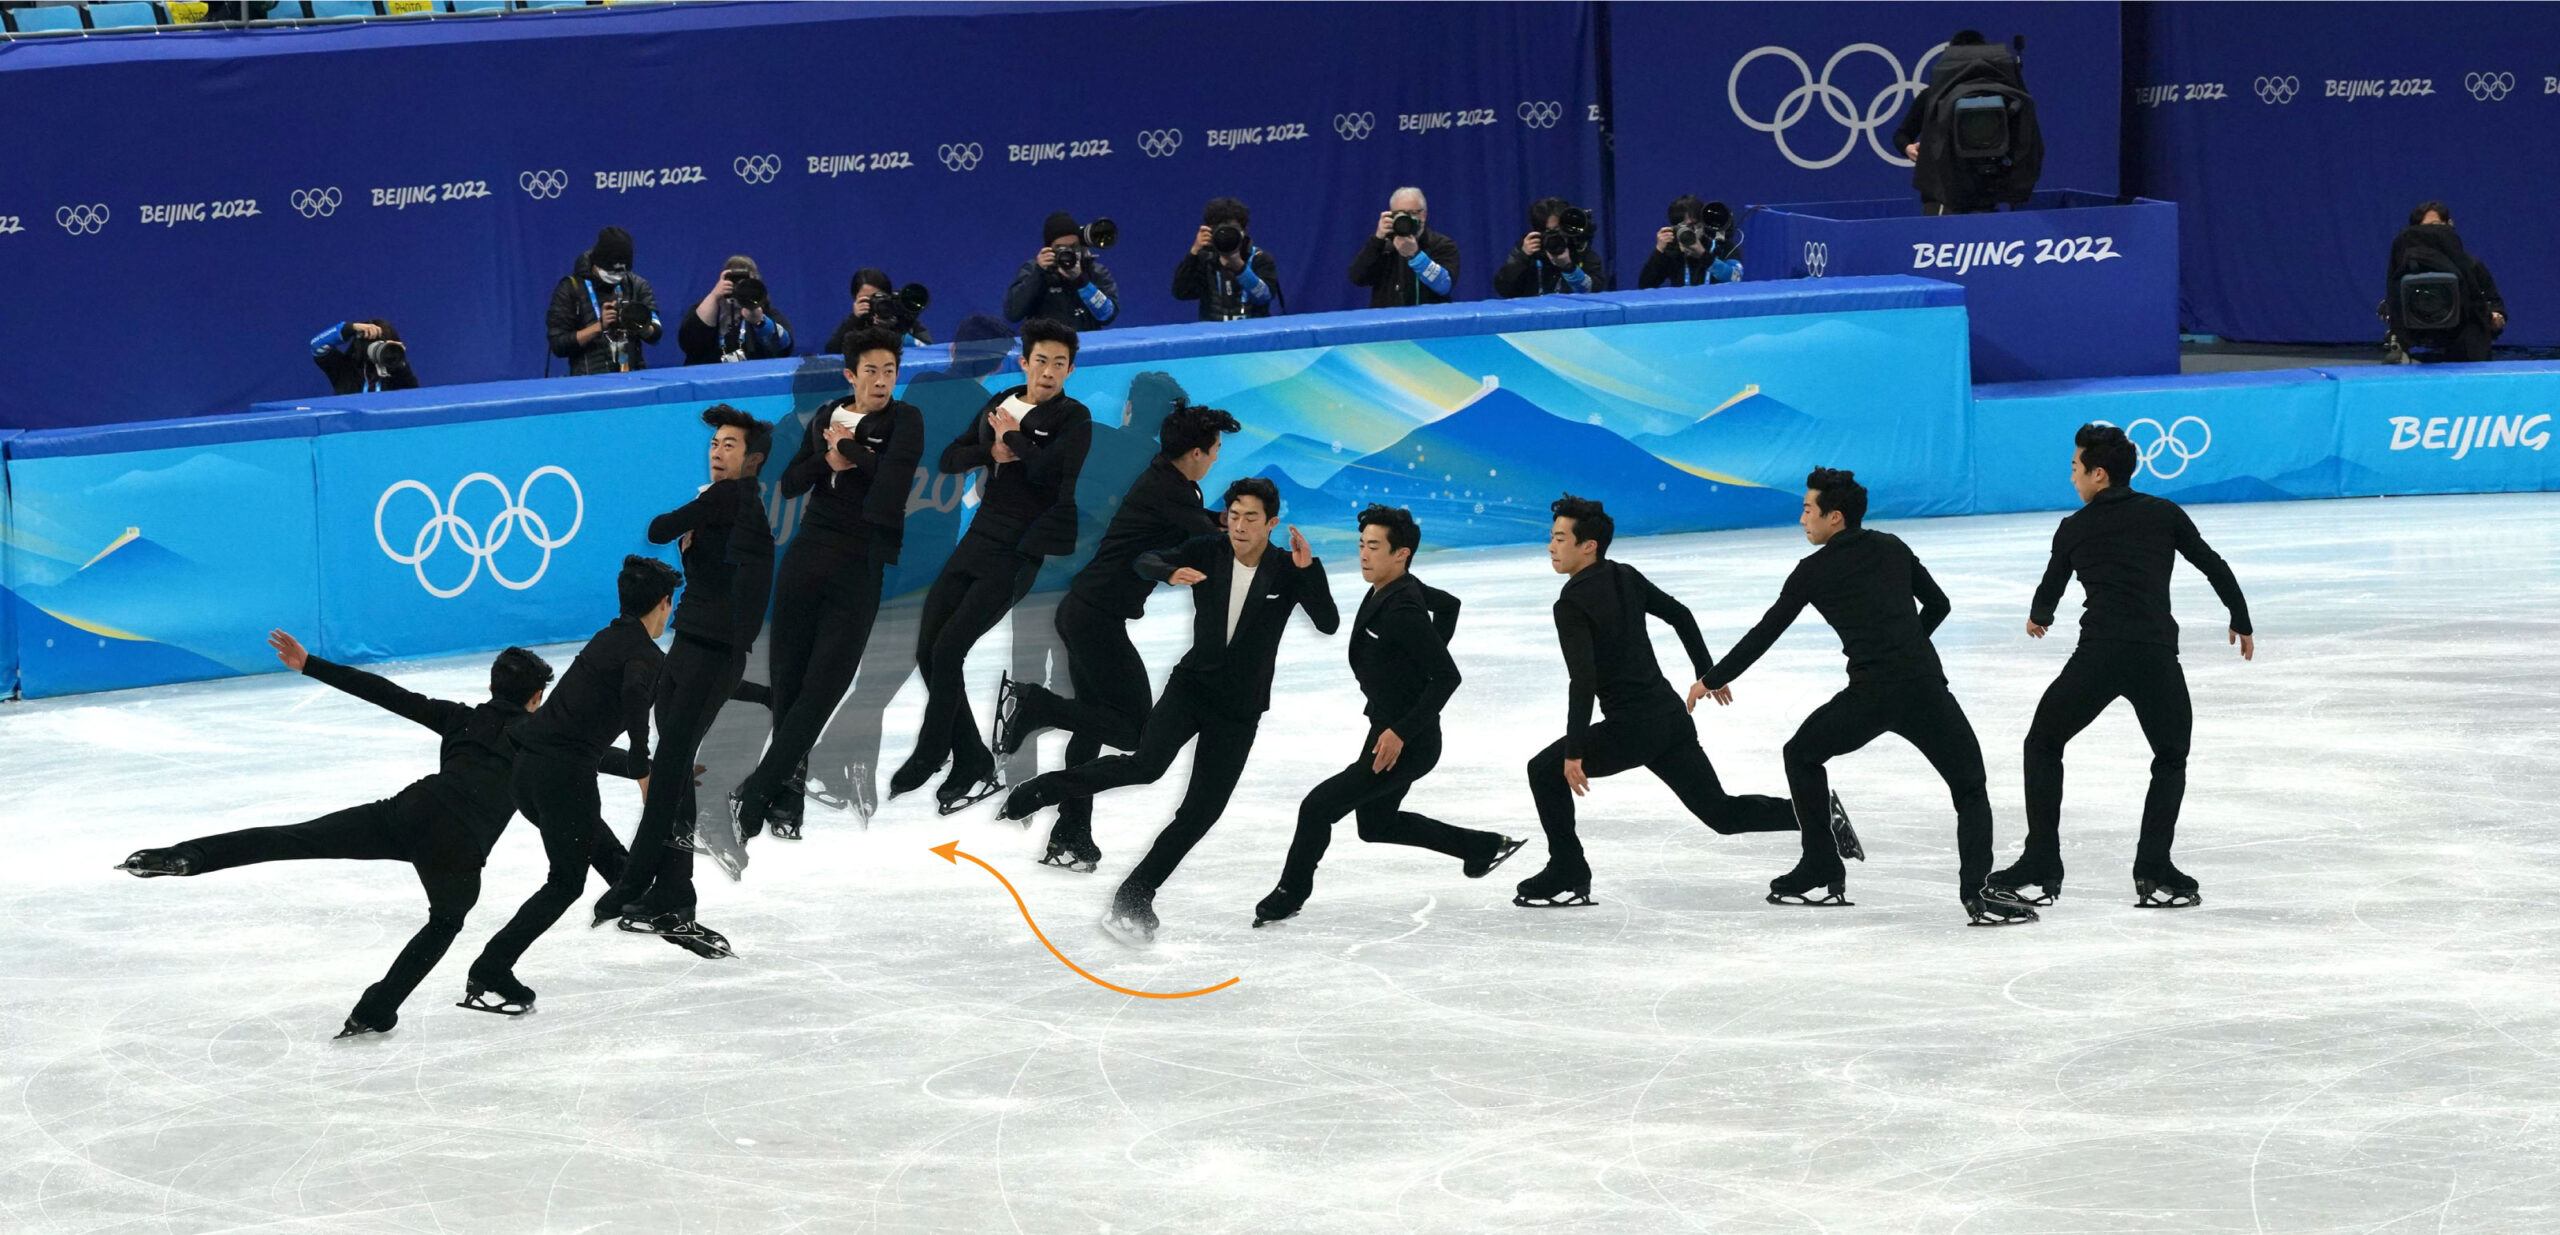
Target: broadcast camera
x: 1979, y: 143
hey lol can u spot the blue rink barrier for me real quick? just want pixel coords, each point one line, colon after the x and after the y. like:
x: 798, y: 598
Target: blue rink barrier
x: 448, y: 519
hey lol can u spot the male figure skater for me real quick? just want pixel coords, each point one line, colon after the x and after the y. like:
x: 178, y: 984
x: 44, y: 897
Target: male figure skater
x: 1031, y: 442
x: 728, y: 567
x: 444, y: 824
x: 1608, y: 657
x: 1863, y: 583
x: 606, y: 692
x: 2123, y: 545
x: 1241, y: 595
x: 856, y: 462
x: 1400, y: 656
x: 1163, y: 508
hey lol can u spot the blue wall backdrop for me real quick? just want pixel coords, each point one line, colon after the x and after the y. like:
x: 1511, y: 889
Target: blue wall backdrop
x: 2295, y: 139
x: 942, y: 136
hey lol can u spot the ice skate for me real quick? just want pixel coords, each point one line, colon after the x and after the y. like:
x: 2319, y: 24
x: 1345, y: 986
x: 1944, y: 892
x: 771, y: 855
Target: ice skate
x: 910, y: 777
x: 154, y: 863
x: 1559, y: 886
x: 698, y: 939
x: 747, y: 816
x: 1281, y: 905
x: 1026, y: 800
x: 1010, y: 729
x: 957, y: 794
x: 1132, y: 919
x: 356, y: 1028
x: 1071, y: 849
x: 1503, y: 848
x: 2044, y: 876
x: 1843, y: 837
x: 504, y: 996
x: 2164, y: 887
x: 1813, y: 884
x: 1993, y: 911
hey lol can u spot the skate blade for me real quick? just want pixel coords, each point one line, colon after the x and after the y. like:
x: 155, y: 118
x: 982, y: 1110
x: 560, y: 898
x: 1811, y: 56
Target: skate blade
x: 1070, y: 862
x: 1259, y: 921
x: 2045, y: 895
x: 1829, y: 900
x: 1993, y: 919
x: 639, y: 926
x: 1128, y: 933
x: 1500, y: 856
x: 2170, y: 900
x: 1843, y: 836
x: 1567, y: 900
x: 690, y: 844
x: 784, y: 831
x: 1008, y: 706
x: 358, y: 1031
x: 979, y: 793
x: 701, y: 947
x: 488, y: 1002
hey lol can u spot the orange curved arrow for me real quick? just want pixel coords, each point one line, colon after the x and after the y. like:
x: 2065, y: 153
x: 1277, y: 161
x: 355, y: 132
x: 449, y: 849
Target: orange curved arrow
x: 949, y: 851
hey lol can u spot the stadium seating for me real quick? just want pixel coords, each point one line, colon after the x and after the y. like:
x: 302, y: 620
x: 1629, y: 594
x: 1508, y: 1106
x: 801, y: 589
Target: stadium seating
x: 47, y: 17
x: 130, y: 15
x: 343, y: 8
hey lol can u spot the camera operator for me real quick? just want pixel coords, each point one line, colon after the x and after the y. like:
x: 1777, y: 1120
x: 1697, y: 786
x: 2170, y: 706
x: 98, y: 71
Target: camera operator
x: 1064, y: 281
x: 1696, y: 248
x: 1406, y: 262
x: 876, y: 304
x: 602, y: 314
x: 1946, y: 182
x: 2440, y: 301
x: 363, y: 356
x: 1554, y: 257
x: 735, y: 320
x: 1226, y: 271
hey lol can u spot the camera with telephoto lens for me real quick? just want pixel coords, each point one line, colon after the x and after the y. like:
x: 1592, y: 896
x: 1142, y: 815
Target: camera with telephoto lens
x: 900, y: 311
x: 622, y: 306
x: 748, y: 291
x: 386, y: 355
x: 1101, y: 234
x: 1227, y: 238
x: 1572, y: 232
x: 1404, y: 224
x: 1705, y: 230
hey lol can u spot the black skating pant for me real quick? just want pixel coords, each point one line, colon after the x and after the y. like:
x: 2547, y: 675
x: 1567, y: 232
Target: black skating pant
x: 2151, y: 679
x: 1378, y: 799
x: 1109, y: 707
x: 1183, y: 714
x: 696, y: 679
x: 1664, y: 743
x: 410, y: 828
x: 980, y: 582
x: 558, y: 796
x: 825, y: 602
x: 1926, y: 715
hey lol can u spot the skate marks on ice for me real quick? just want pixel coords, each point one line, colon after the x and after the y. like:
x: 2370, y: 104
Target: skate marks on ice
x: 2353, y: 1033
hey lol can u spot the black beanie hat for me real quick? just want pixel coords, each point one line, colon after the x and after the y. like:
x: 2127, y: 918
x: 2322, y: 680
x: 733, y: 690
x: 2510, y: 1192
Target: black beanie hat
x: 1060, y: 224
x: 613, y: 248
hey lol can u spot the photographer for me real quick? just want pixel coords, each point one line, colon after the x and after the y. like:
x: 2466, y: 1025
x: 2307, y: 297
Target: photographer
x: 1406, y: 262
x: 735, y: 320
x: 1063, y: 281
x: 1225, y: 271
x: 876, y: 305
x: 2440, y: 301
x: 1554, y: 257
x: 602, y: 315
x: 1696, y: 248
x: 363, y: 356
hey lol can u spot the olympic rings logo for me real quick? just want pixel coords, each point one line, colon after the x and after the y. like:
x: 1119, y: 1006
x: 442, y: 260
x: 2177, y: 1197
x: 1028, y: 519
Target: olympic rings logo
x: 1817, y: 258
x: 2169, y: 441
x: 1539, y: 115
x: 1159, y: 143
x: 314, y: 203
x: 82, y: 220
x: 2278, y: 90
x: 1836, y: 102
x: 961, y: 157
x: 2489, y: 87
x: 757, y: 168
x: 481, y: 547
x: 1354, y: 126
x: 539, y: 185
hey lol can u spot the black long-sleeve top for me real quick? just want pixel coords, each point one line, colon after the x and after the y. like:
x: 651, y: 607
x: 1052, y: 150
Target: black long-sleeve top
x: 1163, y: 508
x: 1030, y: 503
x: 864, y: 507
x: 1523, y: 275
x: 1863, y: 583
x: 1608, y: 657
x: 2124, y: 545
x: 1394, y: 279
x: 1090, y: 301
x: 728, y: 565
x: 605, y: 693
x: 1225, y: 297
x: 476, y: 757
x: 705, y: 343
x: 1400, y: 654
x: 577, y: 301
x: 1236, y: 673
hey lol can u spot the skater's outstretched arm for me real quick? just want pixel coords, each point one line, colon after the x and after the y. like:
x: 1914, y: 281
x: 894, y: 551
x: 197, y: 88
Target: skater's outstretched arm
x: 685, y: 518
x: 2057, y: 574
x: 2217, y: 572
x: 1662, y: 605
x: 437, y: 714
x: 1934, y: 606
x: 1792, y: 599
x: 1196, y: 555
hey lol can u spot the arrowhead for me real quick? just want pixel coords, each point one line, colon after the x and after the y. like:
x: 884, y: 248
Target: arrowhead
x: 949, y: 850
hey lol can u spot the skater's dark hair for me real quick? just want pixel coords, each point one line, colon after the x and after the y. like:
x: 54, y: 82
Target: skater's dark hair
x: 2106, y: 448
x: 1186, y: 429
x: 643, y: 583
x: 1260, y: 490
x: 1048, y: 330
x: 871, y: 339
x: 1836, y: 491
x: 1590, y: 520
x: 516, y: 676
x: 759, y: 433
x: 1402, y: 532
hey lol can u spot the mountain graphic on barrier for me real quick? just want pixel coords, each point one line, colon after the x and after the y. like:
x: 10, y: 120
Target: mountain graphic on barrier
x: 1750, y: 437
x: 1304, y: 459
x: 84, y: 615
x: 1484, y: 475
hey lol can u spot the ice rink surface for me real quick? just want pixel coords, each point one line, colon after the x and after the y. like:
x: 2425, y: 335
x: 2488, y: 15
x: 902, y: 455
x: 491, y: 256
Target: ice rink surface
x: 2358, y: 1031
